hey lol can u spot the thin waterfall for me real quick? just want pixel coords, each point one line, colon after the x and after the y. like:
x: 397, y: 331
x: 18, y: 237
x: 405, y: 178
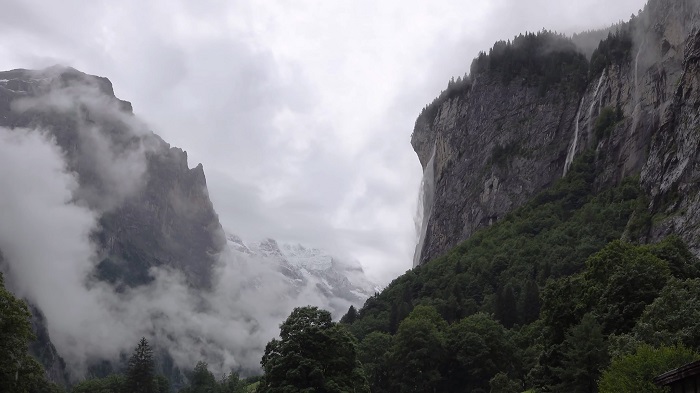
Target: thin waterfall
x: 426, y: 195
x: 572, y: 147
x: 574, y: 144
x: 593, y: 102
x: 635, y: 110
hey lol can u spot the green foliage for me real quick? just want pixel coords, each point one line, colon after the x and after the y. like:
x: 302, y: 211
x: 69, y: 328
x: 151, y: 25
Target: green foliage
x: 615, y: 49
x: 585, y: 355
x: 674, y: 316
x: 634, y: 373
x: 501, y: 383
x: 455, y: 88
x: 201, y: 380
x: 606, y: 121
x: 618, y: 284
x: 541, y: 59
x: 140, y: 375
x: 617, y: 287
x: 373, y: 353
x: 312, y: 354
x: 113, y: 383
x: 418, y: 352
x: 350, y: 316
x: 479, y: 347
x: 621, y: 280
x: 162, y: 385
x: 549, y: 237
x: 19, y: 372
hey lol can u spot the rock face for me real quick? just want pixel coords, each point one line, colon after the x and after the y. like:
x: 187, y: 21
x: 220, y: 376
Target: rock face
x: 153, y: 209
x: 672, y: 172
x: 497, y: 144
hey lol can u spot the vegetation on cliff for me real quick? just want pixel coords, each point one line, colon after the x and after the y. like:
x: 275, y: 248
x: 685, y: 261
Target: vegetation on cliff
x: 542, y: 60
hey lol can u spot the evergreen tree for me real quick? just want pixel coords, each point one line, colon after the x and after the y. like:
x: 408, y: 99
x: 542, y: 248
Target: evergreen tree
x: 201, y: 380
x: 19, y: 372
x: 585, y: 356
x: 506, y: 311
x: 530, y: 306
x: 140, y: 374
x: 350, y: 317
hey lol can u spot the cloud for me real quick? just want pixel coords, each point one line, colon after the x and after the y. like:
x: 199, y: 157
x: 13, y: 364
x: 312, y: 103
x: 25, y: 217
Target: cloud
x: 45, y: 239
x: 308, y: 107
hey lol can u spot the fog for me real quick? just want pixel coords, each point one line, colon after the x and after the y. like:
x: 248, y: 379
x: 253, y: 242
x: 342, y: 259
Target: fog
x: 47, y: 218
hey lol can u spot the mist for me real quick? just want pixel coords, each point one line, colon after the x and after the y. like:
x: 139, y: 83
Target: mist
x: 47, y: 220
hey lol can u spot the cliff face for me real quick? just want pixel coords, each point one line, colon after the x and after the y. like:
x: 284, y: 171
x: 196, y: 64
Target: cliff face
x: 153, y: 209
x: 672, y: 172
x: 497, y: 144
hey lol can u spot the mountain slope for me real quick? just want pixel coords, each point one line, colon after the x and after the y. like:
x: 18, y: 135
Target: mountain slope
x: 561, y: 229
x: 498, y: 140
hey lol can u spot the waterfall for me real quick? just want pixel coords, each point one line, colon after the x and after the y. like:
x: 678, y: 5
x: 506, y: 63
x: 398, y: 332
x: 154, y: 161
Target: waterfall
x: 593, y: 102
x: 635, y: 110
x: 572, y: 147
x: 574, y: 144
x: 426, y: 193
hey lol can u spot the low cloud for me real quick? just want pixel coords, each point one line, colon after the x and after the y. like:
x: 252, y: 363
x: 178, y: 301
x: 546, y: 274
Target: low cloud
x: 48, y: 215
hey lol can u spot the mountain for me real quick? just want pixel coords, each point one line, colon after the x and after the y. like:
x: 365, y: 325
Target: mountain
x: 150, y: 209
x: 341, y: 281
x: 154, y: 210
x: 109, y: 235
x: 559, y: 242
x: 490, y: 142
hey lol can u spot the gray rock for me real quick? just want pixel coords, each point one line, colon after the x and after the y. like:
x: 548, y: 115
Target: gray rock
x: 497, y: 145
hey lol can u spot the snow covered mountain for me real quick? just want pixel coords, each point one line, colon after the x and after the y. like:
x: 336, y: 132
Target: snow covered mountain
x: 340, y: 281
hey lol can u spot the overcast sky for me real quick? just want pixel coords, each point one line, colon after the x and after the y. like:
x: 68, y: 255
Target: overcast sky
x: 301, y: 111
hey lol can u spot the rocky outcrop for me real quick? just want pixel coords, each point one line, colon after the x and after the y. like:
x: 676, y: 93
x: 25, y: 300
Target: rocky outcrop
x: 153, y: 209
x: 498, y: 144
x: 672, y: 173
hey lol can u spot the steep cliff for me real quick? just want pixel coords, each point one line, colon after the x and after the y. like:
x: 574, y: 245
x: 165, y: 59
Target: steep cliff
x: 498, y: 141
x: 153, y: 209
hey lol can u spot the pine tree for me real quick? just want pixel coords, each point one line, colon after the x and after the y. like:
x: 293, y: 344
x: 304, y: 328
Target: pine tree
x: 506, y: 310
x: 350, y: 317
x: 585, y: 354
x: 140, y: 376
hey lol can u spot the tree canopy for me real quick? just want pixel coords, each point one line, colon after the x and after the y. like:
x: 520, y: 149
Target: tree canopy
x: 19, y: 372
x: 313, y: 354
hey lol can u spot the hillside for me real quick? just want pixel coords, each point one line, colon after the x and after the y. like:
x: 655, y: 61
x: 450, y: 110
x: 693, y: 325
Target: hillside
x: 560, y: 217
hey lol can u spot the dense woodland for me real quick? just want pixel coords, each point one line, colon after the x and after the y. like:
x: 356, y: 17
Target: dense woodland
x: 558, y: 296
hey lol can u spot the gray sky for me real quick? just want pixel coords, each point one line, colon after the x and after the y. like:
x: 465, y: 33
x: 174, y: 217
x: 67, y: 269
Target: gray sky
x: 301, y: 112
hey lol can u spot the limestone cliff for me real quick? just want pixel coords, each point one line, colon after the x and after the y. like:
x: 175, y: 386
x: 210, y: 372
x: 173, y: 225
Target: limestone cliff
x: 498, y: 143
